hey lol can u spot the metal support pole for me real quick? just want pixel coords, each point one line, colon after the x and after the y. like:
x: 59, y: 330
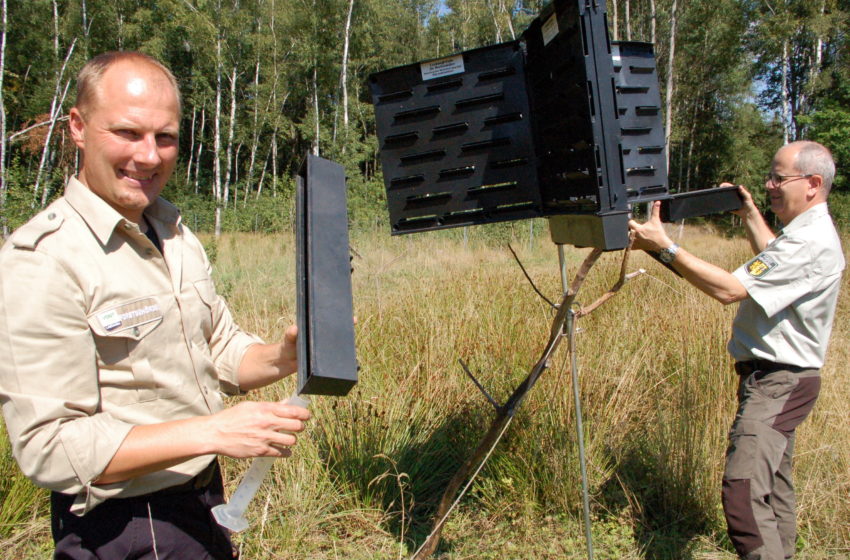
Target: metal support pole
x: 571, y: 329
x: 562, y: 263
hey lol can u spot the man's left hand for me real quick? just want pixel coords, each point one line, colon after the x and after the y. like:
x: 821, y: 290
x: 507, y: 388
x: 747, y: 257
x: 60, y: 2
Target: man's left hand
x: 650, y: 235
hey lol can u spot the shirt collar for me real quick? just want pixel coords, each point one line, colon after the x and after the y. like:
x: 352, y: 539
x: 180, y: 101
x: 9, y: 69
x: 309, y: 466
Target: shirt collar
x: 102, y: 218
x: 806, y: 218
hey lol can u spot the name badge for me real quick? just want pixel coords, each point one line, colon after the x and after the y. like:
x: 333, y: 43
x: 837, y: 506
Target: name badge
x: 130, y: 315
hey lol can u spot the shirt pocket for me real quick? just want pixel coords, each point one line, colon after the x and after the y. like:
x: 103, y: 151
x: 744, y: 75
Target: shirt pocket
x: 201, y: 298
x: 121, y: 336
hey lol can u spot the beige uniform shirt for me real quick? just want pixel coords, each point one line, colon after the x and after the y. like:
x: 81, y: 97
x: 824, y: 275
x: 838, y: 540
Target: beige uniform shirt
x: 793, y: 289
x: 100, y: 332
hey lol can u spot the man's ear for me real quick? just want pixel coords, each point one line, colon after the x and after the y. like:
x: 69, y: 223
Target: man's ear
x: 78, y: 127
x: 816, y: 186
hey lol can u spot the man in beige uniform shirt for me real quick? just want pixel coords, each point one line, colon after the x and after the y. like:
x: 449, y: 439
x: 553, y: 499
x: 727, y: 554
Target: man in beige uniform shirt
x: 116, y: 346
x: 788, y: 293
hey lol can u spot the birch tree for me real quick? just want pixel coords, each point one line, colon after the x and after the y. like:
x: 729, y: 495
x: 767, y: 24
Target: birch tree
x: 4, y: 185
x: 55, y: 111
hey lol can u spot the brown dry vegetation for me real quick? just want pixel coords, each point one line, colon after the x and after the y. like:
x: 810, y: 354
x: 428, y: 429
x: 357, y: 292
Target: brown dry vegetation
x: 657, y: 389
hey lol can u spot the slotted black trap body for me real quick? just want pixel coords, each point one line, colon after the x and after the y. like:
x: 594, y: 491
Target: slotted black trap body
x: 562, y: 123
x: 522, y: 129
x: 458, y: 149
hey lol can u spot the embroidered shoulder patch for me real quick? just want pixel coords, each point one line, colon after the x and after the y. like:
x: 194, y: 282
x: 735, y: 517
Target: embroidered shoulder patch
x: 761, y: 265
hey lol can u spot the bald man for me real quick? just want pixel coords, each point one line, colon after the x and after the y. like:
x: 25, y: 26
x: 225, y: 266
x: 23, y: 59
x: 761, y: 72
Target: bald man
x: 788, y: 293
x: 117, y: 348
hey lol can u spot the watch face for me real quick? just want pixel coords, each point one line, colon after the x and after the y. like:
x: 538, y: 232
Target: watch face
x: 669, y: 254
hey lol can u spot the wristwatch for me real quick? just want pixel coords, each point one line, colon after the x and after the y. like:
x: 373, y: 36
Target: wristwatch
x: 668, y: 255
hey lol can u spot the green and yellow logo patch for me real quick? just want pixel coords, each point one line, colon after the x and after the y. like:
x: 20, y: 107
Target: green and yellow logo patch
x: 760, y: 266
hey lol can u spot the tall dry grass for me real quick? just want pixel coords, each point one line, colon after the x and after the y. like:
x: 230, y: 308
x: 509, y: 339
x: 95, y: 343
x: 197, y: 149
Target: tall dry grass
x: 657, y: 391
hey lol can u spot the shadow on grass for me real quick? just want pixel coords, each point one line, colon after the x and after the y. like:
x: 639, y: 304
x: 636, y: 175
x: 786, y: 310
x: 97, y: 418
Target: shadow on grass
x: 665, y: 504
x: 402, y: 473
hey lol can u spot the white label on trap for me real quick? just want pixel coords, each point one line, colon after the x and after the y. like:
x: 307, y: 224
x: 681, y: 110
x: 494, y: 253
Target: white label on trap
x: 443, y: 67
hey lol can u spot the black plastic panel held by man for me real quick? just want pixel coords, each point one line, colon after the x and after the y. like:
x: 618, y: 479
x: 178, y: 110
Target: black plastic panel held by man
x: 327, y: 364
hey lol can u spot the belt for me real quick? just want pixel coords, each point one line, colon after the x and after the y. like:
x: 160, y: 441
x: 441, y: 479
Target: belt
x: 197, y: 482
x: 765, y: 366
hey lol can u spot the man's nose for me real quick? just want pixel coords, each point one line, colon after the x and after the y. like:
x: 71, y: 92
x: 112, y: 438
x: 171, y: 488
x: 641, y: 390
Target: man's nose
x: 147, y: 151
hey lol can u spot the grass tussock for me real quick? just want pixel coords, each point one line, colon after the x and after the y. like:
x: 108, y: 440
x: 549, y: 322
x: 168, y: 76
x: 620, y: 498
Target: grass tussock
x: 657, y: 393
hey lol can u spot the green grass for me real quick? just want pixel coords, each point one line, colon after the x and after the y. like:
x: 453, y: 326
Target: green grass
x: 657, y: 389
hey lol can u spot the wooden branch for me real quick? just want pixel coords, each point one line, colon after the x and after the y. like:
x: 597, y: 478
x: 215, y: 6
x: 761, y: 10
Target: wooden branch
x: 505, y: 413
x: 616, y: 287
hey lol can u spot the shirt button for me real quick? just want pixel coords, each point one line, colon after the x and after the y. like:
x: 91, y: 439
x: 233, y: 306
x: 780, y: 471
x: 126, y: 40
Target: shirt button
x: 135, y: 331
x: 51, y: 216
x: 206, y: 391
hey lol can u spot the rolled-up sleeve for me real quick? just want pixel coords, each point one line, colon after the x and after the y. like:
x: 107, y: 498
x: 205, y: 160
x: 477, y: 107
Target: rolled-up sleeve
x: 48, y: 375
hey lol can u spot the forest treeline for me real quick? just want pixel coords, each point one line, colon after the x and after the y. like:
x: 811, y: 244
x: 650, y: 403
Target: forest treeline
x: 265, y: 81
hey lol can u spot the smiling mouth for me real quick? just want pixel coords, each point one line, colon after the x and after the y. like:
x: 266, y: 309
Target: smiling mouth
x: 138, y: 177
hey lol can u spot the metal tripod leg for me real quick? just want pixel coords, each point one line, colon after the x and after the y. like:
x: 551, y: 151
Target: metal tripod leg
x: 571, y: 331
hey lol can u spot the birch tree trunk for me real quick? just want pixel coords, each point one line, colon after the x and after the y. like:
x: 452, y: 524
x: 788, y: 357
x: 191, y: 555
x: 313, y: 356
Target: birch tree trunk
x: 616, y: 23
x: 628, y: 22
x: 191, y: 146
x: 344, y: 77
x: 236, y: 174
x: 262, y: 176
x: 316, y: 110
x: 217, y: 137
x: 496, y: 23
x: 55, y: 109
x: 200, y: 148
x: 255, y: 133
x: 503, y: 8
x: 55, y: 31
x: 84, y: 13
x: 652, y: 18
x: 669, y: 89
x: 230, y: 133
x: 4, y: 186
x: 274, y: 164
x: 786, y: 119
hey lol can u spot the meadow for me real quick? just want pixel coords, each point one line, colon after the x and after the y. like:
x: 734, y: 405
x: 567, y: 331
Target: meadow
x: 657, y: 391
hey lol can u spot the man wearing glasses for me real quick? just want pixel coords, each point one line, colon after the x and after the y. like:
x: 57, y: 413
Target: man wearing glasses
x: 788, y: 294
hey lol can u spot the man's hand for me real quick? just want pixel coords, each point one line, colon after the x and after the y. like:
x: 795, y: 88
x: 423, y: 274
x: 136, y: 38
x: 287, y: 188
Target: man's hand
x: 288, y: 360
x: 266, y: 363
x: 748, y: 207
x: 650, y: 235
x: 759, y: 233
x: 256, y: 429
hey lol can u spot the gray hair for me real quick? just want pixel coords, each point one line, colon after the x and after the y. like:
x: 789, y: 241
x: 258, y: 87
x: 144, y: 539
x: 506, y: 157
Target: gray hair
x: 815, y: 159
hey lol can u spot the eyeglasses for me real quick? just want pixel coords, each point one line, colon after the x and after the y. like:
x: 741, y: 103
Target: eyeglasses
x: 776, y: 179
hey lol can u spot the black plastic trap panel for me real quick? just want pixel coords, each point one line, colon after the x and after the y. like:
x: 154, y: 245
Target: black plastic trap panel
x: 559, y: 122
x: 573, y: 99
x: 642, y: 141
x: 456, y: 142
x: 700, y: 203
x: 327, y: 364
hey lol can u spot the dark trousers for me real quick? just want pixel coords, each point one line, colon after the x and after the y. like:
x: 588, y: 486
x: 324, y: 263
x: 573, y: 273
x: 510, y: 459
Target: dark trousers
x: 758, y: 494
x: 171, y: 524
